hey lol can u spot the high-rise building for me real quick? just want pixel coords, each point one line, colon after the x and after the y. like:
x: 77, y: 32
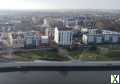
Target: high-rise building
x: 63, y: 36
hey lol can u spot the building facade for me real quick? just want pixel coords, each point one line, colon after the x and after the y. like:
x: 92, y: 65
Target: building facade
x: 63, y: 36
x: 17, y: 40
x: 101, y: 37
x: 30, y: 39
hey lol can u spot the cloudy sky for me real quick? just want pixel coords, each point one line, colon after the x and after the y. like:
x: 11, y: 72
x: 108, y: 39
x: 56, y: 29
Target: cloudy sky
x: 59, y: 4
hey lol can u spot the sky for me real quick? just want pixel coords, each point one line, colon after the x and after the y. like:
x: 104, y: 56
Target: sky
x: 59, y: 4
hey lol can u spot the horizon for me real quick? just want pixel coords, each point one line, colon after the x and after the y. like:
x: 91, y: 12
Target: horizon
x: 58, y: 4
x: 46, y: 10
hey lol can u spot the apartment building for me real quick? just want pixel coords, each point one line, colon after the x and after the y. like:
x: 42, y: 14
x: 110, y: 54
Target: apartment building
x: 111, y: 36
x: 50, y: 33
x: 63, y: 36
x: 44, y: 40
x: 92, y: 38
x: 1, y: 40
x: 17, y: 40
x: 82, y: 20
x: 30, y: 39
x: 103, y: 36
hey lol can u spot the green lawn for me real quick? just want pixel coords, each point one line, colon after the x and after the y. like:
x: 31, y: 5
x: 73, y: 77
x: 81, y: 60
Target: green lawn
x: 96, y: 53
x: 38, y: 55
x: 101, y: 53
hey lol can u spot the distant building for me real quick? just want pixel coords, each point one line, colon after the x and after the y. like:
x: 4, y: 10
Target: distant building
x: 63, y: 36
x: 17, y: 40
x: 30, y: 39
x: 1, y: 44
x: 48, y: 22
x: 6, y: 27
x: 44, y: 40
x: 98, y: 37
x: 1, y: 35
x: 84, y: 21
x: 45, y: 21
x: 88, y: 39
x: 6, y: 39
x: 90, y: 31
x: 50, y: 33
x: 84, y: 30
x: 1, y: 40
x: 115, y: 38
x: 111, y: 36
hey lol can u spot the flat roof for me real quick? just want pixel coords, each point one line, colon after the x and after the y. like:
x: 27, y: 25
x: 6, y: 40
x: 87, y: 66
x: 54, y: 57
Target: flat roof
x: 44, y: 37
x: 63, y: 28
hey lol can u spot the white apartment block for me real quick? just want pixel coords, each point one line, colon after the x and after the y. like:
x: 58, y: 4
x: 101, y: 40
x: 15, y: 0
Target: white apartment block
x: 104, y: 37
x: 44, y: 40
x: 63, y: 36
x: 92, y: 38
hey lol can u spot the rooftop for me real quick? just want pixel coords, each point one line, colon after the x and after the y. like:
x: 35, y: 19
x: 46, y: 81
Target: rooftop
x: 63, y: 28
x: 44, y: 37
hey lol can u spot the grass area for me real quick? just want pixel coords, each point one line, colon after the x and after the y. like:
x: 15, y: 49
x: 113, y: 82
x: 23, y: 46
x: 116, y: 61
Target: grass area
x: 106, y: 52
x: 110, y: 46
x: 98, y: 53
x: 75, y: 54
x: 114, y: 54
x: 39, y: 55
